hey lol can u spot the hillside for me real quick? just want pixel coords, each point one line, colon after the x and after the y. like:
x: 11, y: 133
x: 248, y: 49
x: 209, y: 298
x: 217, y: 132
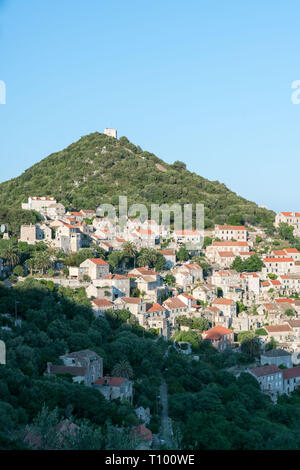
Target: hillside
x: 98, y: 168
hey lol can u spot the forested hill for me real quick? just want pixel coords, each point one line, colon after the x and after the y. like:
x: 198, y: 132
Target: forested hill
x: 98, y: 168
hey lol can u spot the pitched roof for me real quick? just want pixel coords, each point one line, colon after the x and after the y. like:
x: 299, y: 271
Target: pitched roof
x: 278, y: 260
x: 282, y: 301
x: 265, y: 370
x: 230, y: 243
x: 155, y: 307
x: 217, y: 332
x: 98, y: 261
x: 102, y: 303
x: 223, y: 301
x: 277, y: 328
x: 111, y: 381
x: 174, y: 302
x: 131, y: 300
x: 141, y: 433
x: 231, y: 227
x: 291, y: 373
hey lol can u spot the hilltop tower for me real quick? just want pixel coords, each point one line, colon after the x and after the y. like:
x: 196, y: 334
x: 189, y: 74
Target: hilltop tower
x: 111, y: 132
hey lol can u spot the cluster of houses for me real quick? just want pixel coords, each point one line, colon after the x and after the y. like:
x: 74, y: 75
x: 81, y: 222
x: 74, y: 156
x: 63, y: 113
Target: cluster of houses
x: 231, y: 301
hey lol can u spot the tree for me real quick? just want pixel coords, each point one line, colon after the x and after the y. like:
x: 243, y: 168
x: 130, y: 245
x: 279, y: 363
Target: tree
x: 18, y: 271
x: 30, y: 264
x: 286, y: 231
x: 182, y: 254
x: 130, y: 250
x: 251, y: 346
x: 122, y: 369
x: 42, y: 260
x: 10, y: 254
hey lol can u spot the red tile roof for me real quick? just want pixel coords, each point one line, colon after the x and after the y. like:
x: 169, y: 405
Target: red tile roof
x: 217, y: 332
x: 222, y: 301
x: 102, y: 303
x: 291, y: 373
x: 112, y: 381
x: 231, y: 227
x: 141, y: 433
x: 278, y: 260
x: 155, y: 307
x: 98, y: 261
x: 265, y: 370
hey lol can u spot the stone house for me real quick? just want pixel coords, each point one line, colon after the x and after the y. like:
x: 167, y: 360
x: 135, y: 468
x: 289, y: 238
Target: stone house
x: 113, y: 388
x: 95, y: 268
x: 100, y: 307
x: 277, y: 357
x: 85, y: 366
x: 231, y: 232
x: 221, y: 338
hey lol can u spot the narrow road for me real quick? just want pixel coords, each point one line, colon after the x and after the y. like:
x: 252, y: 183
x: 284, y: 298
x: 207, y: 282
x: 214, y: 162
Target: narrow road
x: 166, y: 424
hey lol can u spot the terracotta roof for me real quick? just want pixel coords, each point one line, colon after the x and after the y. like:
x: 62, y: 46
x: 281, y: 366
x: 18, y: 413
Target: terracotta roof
x: 111, y: 381
x: 278, y: 260
x: 265, y: 370
x: 131, y: 300
x: 167, y: 252
x: 291, y: 373
x: 98, y: 261
x: 226, y: 254
x: 277, y: 328
x: 290, y: 214
x: 281, y: 301
x: 174, y: 302
x: 230, y: 243
x: 231, y: 227
x: 155, y: 307
x: 291, y: 250
x: 141, y: 433
x: 114, y: 276
x: 102, y: 303
x: 222, y: 301
x: 294, y: 323
x: 217, y: 332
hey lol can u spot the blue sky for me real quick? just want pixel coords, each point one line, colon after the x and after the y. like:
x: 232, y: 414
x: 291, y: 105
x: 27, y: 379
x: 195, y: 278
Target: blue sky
x: 205, y: 82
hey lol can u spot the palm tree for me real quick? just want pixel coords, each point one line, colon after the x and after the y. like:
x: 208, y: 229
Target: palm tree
x: 42, y: 260
x: 30, y: 263
x: 11, y: 255
x: 130, y: 250
x: 122, y: 369
x: 147, y: 257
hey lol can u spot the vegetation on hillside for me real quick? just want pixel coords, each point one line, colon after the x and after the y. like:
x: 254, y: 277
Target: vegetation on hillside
x: 98, y: 168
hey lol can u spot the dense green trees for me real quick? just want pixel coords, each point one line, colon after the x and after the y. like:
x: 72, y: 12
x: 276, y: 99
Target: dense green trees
x: 136, y: 173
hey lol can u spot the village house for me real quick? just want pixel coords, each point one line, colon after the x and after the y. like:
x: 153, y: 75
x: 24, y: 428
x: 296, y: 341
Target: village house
x: 113, y: 388
x: 112, y: 286
x: 193, y: 237
x: 221, y: 338
x: 39, y: 204
x: 95, y: 268
x: 100, y: 307
x: 278, y: 266
x: 269, y: 377
x: 170, y: 257
x: 278, y: 357
x: 281, y: 333
x: 232, y: 247
x: 175, y: 307
x: 205, y: 292
x: 250, y: 283
x: 227, y: 306
x: 147, y: 281
x: 35, y: 233
x: 136, y: 306
x: 85, y: 366
x: 225, y: 279
x: 290, y: 218
x: 231, y: 232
